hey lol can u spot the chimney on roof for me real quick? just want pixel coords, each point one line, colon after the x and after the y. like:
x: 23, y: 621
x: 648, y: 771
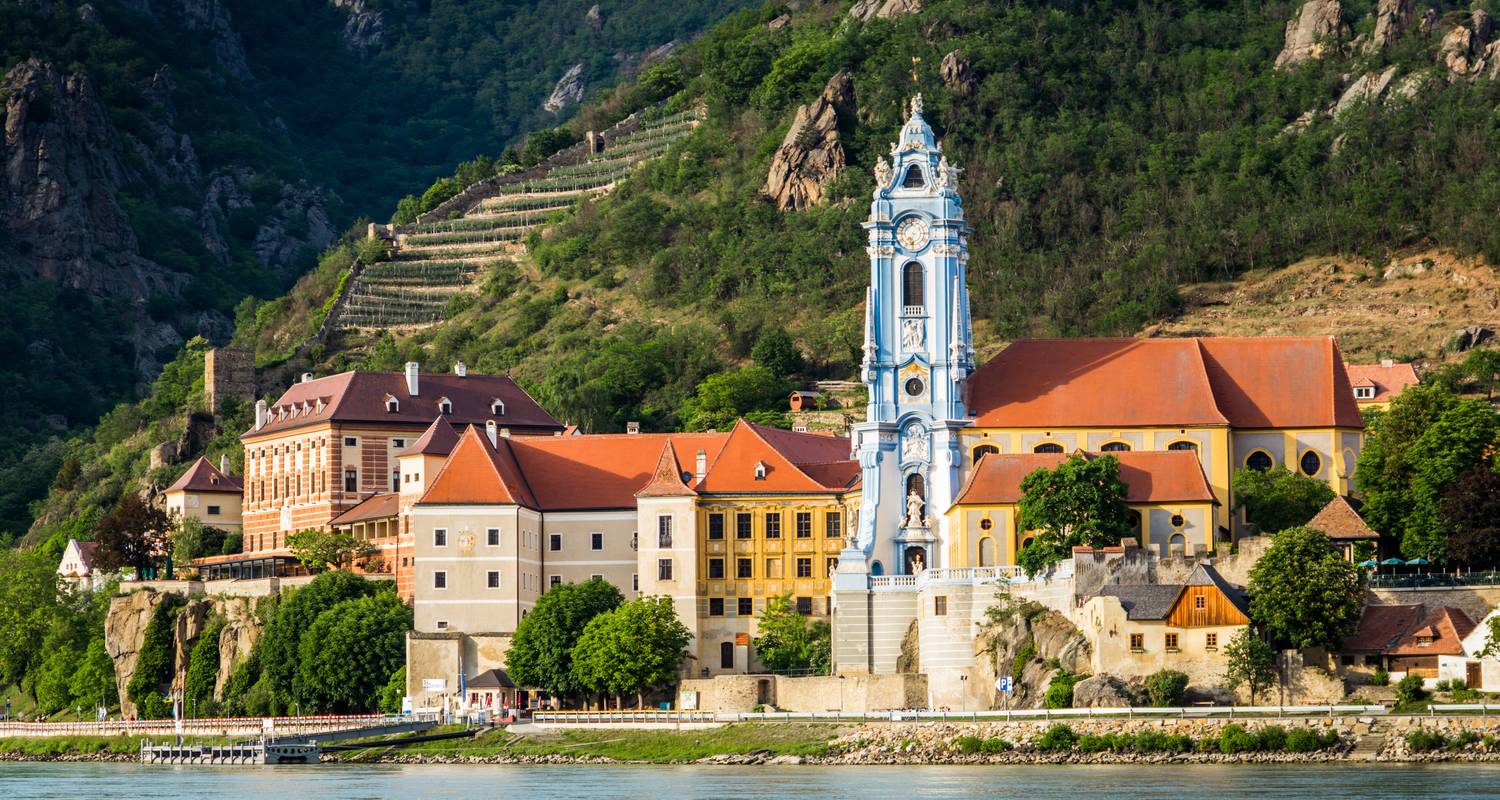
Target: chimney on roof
x: 1387, y: 363
x: 800, y: 427
x: 632, y: 428
x: 411, y: 378
x: 260, y: 414
x: 460, y: 369
x: 700, y: 467
x: 505, y: 433
x: 492, y: 432
x: 224, y: 463
x: 307, y: 376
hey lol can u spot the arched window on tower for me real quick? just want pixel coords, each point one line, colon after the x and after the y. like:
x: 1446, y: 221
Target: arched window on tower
x: 914, y: 483
x: 914, y: 179
x: 911, y: 287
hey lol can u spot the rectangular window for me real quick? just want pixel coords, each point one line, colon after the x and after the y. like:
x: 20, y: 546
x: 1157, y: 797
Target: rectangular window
x: 804, y: 568
x: 1200, y: 602
x: 596, y: 541
x: 664, y: 569
x: 1211, y: 640
x: 716, y: 606
x: 747, y: 606
x: 597, y: 576
x: 715, y: 526
x: 351, y: 480
x: 440, y: 580
x: 442, y: 624
x: 940, y: 606
x: 804, y: 524
x: 742, y: 568
x: 395, y: 480
x: 398, y: 443
x: 726, y: 655
x: 715, y: 569
x: 1137, y: 642
x: 492, y: 579
x: 804, y: 606
x: 664, y: 530
x: 439, y: 537
x: 1171, y: 641
x: 555, y: 580
x: 742, y: 526
x: 833, y: 524
x: 635, y: 582
x: 350, y: 441
x: 554, y: 542
x: 213, y: 511
x: 773, y: 525
x: 492, y: 537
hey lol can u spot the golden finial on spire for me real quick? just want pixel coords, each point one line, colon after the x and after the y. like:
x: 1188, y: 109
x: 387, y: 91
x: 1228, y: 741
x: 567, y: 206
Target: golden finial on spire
x: 915, y: 60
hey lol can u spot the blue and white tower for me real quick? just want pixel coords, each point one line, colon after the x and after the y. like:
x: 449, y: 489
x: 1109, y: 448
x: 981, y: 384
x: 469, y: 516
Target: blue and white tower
x: 918, y: 354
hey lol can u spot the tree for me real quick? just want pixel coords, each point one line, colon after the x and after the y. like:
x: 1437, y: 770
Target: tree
x: 776, y: 351
x: 792, y: 642
x: 632, y: 649
x: 132, y: 536
x: 203, y: 668
x: 394, y: 692
x: 1081, y: 502
x: 1277, y: 498
x: 1302, y: 591
x: 320, y: 549
x: 1249, y: 662
x: 1166, y: 687
x: 192, y: 539
x: 347, y: 656
x: 1484, y: 365
x: 541, y: 654
x: 752, y: 392
x: 1413, y: 453
x: 279, y: 651
x: 28, y: 603
x: 1472, y: 508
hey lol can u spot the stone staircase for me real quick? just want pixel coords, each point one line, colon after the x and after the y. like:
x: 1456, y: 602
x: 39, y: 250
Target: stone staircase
x: 446, y: 253
x: 1368, y: 747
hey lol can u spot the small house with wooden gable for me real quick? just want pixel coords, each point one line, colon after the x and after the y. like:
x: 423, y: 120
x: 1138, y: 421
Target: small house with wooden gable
x: 1135, y: 631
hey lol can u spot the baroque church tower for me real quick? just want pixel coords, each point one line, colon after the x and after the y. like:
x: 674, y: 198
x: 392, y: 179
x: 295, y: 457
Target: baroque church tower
x: 918, y: 353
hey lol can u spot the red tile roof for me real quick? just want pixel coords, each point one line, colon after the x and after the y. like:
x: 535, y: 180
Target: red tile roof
x: 580, y: 473
x: 439, y: 440
x: 1258, y: 382
x: 478, y: 474
x: 361, y: 397
x: 794, y: 463
x: 1388, y: 379
x: 668, y: 480
x: 1444, y: 629
x: 203, y: 476
x: 1380, y: 627
x: 1163, y: 476
x: 1340, y: 521
x: 383, y: 505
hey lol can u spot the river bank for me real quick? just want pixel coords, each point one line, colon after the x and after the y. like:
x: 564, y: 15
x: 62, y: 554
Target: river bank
x: 1391, y: 739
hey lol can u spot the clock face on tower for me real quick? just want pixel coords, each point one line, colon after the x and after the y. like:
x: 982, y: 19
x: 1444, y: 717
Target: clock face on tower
x: 912, y: 233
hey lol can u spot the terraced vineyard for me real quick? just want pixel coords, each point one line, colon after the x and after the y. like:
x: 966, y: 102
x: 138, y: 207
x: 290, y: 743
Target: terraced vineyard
x: 434, y: 260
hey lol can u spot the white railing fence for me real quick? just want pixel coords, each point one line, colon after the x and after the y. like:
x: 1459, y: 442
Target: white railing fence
x: 722, y: 717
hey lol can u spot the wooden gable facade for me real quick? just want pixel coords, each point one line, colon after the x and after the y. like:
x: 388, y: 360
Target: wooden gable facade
x: 1205, y: 606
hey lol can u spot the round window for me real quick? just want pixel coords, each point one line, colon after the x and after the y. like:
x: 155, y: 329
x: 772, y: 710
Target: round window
x: 986, y: 524
x: 1311, y: 463
x: 914, y: 386
x: 1258, y: 461
x: 1178, y: 521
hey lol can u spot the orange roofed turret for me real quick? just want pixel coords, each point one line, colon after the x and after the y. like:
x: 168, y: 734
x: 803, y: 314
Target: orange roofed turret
x: 667, y: 479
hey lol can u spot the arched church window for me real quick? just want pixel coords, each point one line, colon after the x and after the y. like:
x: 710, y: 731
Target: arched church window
x: 1259, y: 461
x: 1135, y: 521
x: 877, y: 569
x: 985, y: 449
x: 914, y: 483
x: 1047, y: 447
x: 914, y: 179
x: 1115, y: 447
x: 911, y: 285
x: 1183, y: 444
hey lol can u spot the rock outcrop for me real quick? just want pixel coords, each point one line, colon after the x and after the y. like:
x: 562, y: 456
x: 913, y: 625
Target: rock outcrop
x: 242, y: 629
x: 124, y: 629
x: 811, y: 156
x: 866, y: 10
x: 957, y: 74
x: 1033, y: 639
x: 1367, y: 87
x: 1392, y: 17
x: 365, y: 28
x: 1470, y: 48
x: 1103, y: 691
x: 569, y: 90
x: 593, y: 18
x: 1316, y: 25
x: 190, y: 623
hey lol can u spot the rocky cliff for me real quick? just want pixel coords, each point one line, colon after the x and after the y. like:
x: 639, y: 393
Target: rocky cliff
x: 130, y: 614
x: 811, y: 156
x: 1031, y: 643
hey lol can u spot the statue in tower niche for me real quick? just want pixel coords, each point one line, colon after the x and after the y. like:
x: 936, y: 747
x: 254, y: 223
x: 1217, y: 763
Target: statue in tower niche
x: 911, y: 335
x: 914, y: 510
x: 882, y: 173
x: 914, y: 443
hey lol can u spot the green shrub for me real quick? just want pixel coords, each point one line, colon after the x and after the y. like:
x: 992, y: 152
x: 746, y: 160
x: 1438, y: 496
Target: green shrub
x: 1165, y: 688
x: 968, y: 745
x: 994, y: 745
x: 1056, y: 738
x: 1409, y: 690
x: 1466, y: 695
x: 1380, y: 678
x: 1235, y: 739
x: 1302, y: 740
x: 1272, y: 738
x: 1060, y: 692
x: 1464, y: 739
x: 1023, y: 657
x: 1089, y: 743
x: 1422, y: 740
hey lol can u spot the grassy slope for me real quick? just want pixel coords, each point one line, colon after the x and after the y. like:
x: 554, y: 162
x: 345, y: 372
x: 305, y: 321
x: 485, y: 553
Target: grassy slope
x: 653, y: 746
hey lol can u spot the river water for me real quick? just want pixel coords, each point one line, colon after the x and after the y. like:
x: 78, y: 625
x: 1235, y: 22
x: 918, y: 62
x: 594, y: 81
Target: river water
x: 431, y: 782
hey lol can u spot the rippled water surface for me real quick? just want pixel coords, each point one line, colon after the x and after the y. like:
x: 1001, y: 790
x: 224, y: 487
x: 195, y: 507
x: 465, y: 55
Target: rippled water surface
x: 1146, y: 782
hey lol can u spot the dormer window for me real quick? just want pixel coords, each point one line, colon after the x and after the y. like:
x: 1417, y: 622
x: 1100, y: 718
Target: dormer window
x: 497, y: 407
x: 760, y: 470
x: 1364, y: 392
x: 445, y: 406
x: 392, y: 405
x: 914, y: 179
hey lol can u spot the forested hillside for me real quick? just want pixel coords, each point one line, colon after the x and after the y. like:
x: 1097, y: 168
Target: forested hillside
x: 1112, y: 152
x: 165, y: 160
